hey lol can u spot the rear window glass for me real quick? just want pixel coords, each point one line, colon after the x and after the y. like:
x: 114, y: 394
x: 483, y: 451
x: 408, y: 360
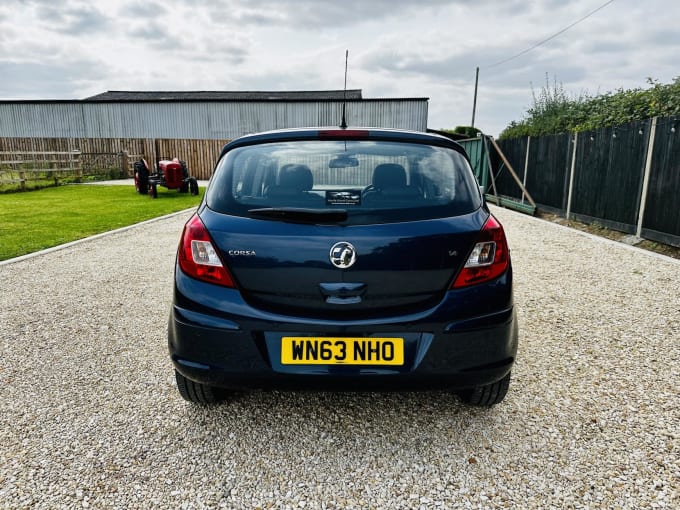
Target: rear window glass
x: 370, y: 180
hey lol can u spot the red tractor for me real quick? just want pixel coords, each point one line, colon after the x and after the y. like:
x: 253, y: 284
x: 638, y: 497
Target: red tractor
x: 169, y: 174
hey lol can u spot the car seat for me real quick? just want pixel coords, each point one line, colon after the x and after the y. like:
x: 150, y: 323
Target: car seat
x: 389, y: 184
x: 295, y: 184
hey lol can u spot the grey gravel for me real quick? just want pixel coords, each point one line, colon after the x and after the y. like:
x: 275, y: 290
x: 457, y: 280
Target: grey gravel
x: 90, y: 417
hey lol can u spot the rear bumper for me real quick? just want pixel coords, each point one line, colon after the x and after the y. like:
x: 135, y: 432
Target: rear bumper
x: 230, y: 344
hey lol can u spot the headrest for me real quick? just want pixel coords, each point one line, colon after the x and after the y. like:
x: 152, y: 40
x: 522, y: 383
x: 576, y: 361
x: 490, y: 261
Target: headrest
x: 297, y: 177
x: 389, y: 175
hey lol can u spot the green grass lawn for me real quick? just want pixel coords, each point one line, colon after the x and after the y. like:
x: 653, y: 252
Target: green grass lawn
x: 32, y: 221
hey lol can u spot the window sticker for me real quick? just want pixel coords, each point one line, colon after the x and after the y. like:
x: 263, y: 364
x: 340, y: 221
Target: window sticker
x: 343, y: 197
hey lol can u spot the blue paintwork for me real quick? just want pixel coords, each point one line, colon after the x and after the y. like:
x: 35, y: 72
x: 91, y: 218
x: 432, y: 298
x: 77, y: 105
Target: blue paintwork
x: 286, y: 286
x: 399, y: 261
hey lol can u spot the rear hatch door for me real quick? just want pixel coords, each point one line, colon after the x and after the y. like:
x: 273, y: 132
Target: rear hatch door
x: 380, y: 270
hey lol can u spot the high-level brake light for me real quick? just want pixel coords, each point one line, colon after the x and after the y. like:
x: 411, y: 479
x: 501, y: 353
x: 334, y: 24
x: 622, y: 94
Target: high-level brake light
x: 343, y: 134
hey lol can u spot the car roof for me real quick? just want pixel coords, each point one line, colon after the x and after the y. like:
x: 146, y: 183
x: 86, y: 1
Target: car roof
x: 336, y: 133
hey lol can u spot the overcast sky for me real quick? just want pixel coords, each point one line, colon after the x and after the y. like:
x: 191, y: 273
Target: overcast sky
x: 71, y: 49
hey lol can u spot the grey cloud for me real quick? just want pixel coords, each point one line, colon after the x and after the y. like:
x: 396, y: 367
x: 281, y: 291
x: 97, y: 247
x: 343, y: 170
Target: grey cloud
x: 151, y: 31
x: 514, y: 8
x: 156, y: 35
x: 667, y: 38
x: 220, y: 53
x: 31, y: 79
x: 606, y: 46
x: 143, y: 10
x: 198, y: 48
x: 74, y: 20
x: 257, y: 18
x: 456, y: 64
x: 279, y: 81
x: 314, y: 14
x: 447, y: 67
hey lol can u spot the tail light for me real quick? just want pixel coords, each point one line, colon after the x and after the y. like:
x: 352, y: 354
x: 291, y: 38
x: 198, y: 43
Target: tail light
x: 197, y: 255
x: 489, y: 258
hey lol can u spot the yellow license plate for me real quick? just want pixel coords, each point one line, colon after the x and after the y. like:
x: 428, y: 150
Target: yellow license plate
x: 341, y: 351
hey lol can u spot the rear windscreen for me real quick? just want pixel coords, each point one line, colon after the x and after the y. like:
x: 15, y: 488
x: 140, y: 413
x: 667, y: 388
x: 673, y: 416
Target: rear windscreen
x: 370, y: 180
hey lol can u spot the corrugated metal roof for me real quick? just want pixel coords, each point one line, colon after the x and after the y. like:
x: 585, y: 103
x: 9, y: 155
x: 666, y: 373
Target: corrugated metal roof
x: 198, y: 120
x: 206, y: 95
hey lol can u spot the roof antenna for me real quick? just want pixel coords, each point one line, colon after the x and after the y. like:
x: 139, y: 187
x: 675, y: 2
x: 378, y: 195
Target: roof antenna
x: 344, y: 94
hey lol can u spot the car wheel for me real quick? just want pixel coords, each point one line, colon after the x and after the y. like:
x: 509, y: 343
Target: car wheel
x: 487, y: 395
x: 197, y: 392
x: 153, y: 190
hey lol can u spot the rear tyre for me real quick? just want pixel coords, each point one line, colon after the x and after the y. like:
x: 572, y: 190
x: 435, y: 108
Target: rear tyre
x: 141, y: 178
x: 197, y: 393
x: 193, y: 186
x: 488, y: 395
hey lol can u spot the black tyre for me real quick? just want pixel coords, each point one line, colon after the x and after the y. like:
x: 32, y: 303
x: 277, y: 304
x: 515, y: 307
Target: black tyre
x: 153, y: 190
x: 197, y: 392
x: 488, y: 395
x: 142, y: 186
x: 141, y: 178
x: 184, y: 188
x: 193, y: 186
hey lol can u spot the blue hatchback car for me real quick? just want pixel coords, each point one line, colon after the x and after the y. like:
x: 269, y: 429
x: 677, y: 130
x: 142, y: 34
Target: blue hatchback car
x: 343, y: 259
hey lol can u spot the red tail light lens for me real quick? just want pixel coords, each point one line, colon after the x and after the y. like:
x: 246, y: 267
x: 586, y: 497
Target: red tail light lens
x: 489, y: 258
x: 197, y: 255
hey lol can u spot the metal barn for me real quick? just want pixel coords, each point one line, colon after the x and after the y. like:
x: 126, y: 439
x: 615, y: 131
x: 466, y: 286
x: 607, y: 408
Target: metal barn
x: 202, y: 115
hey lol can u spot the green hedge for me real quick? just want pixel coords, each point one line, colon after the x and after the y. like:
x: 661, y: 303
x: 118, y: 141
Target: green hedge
x: 554, y: 112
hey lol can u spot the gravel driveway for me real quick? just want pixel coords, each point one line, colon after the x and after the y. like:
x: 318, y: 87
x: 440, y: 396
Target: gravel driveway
x: 89, y: 414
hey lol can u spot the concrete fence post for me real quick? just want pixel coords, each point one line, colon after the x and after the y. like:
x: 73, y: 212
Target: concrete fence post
x: 645, y: 179
x: 571, y: 176
x: 526, y: 165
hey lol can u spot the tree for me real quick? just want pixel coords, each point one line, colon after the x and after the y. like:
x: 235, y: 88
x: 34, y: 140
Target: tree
x: 469, y: 131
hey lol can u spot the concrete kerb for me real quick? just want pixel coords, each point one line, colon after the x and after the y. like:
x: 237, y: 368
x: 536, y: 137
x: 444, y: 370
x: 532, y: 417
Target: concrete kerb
x: 91, y: 238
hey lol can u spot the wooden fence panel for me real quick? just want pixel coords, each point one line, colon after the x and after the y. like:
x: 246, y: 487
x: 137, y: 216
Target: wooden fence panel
x: 200, y: 155
x: 26, y: 169
x: 609, y: 176
x: 662, y: 215
x: 548, y: 169
x: 103, y: 155
x: 609, y: 172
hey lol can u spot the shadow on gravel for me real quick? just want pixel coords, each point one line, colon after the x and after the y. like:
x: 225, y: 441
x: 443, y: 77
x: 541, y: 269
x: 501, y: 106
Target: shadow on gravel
x: 328, y: 421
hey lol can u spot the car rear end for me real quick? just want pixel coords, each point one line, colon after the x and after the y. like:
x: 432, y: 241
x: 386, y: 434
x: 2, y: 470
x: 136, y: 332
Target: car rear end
x: 343, y: 259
